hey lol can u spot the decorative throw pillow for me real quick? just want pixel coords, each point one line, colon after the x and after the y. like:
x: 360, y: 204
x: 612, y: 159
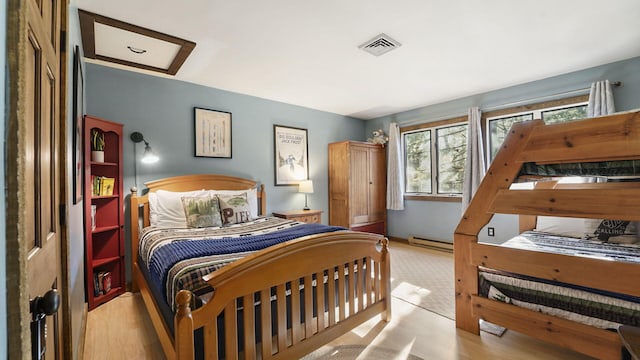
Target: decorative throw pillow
x: 252, y: 198
x: 234, y: 209
x: 203, y: 211
x: 613, y: 231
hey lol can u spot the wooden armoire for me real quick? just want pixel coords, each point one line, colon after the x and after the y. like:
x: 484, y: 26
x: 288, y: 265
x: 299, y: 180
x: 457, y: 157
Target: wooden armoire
x: 357, y: 186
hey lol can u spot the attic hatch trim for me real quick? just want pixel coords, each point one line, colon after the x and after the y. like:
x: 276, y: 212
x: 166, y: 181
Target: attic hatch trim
x: 380, y: 44
x: 87, y: 30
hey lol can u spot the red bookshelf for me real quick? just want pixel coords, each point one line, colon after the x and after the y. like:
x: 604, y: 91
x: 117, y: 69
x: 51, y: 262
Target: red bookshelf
x: 104, y: 232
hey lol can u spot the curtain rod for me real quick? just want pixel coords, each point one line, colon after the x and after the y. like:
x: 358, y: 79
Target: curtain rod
x: 508, y: 105
x: 534, y: 100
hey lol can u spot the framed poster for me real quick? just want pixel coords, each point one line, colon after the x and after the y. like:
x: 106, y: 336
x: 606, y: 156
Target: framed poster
x: 78, y: 112
x: 291, y: 155
x: 212, y: 133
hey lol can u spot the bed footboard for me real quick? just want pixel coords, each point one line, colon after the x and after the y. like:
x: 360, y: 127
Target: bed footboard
x: 350, y: 275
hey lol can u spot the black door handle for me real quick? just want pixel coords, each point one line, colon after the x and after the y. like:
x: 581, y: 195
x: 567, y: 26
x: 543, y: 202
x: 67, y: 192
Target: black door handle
x: 40, y: 307
x: 45, y: 305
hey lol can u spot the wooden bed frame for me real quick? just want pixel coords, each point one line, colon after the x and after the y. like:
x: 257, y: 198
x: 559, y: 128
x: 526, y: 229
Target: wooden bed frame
x: 614, y: 137
x: 350, y: 304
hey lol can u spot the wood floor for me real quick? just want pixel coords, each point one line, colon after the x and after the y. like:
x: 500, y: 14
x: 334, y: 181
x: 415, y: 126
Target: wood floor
x: 121, y: 329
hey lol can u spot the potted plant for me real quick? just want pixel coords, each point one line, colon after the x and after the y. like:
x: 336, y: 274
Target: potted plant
x: 97, y: 145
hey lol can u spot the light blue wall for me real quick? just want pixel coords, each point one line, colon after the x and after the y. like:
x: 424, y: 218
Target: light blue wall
x: 162, y: 110
x: 437, y: 220
x: 3, y: 264
x: 75, y: 229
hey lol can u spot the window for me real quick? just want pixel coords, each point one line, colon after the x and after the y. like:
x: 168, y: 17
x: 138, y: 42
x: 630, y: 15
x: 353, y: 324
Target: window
x: 434, y: 159
x: 498, y: 126
x: 435, y: 152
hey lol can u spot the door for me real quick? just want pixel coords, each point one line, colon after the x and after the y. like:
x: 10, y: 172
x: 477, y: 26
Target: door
x: 33, y: 177
x: 377, y: 184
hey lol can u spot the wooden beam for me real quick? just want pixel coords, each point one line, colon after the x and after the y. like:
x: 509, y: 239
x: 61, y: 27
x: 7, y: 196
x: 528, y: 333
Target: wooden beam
x: 618, y: 204
x: 601, y: 344
x: 613, y: 137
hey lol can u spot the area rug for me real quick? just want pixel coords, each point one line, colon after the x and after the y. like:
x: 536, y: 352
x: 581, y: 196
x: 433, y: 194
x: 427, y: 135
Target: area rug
x: 425, y: 278
x: 353, y: 352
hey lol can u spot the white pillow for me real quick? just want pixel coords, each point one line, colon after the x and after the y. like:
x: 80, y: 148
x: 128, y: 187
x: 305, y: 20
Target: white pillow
x: 252, y: 198
x: 564, y: 226
x: 165, y: 207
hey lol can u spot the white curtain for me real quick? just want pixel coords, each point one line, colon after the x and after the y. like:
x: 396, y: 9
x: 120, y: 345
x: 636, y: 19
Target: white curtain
x: 395, y: 171
x: 600, y: 99
x: 474, y: 168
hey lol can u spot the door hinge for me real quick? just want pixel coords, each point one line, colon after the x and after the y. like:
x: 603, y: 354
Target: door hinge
x: 62, y: 214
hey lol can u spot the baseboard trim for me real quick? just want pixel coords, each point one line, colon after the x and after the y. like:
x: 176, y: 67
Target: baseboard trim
x: 432, y: 244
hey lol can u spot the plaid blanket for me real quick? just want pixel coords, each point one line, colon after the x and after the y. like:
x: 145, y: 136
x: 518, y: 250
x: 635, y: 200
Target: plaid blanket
x: 595, y: 307
x: 177, y: 258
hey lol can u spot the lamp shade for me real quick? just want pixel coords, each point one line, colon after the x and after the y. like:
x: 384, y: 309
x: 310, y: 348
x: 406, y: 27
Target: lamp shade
x: 149, y: 156
x: 306, y: 186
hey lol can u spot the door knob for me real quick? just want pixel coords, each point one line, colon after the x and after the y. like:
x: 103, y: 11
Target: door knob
x: 47, y: 304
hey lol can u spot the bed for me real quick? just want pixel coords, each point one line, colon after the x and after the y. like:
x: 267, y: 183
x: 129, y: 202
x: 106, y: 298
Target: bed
x: 342, y: 279
x: 597, y: 142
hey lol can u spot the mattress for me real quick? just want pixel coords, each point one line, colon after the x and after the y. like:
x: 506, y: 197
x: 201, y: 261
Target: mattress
x: 594, y: 307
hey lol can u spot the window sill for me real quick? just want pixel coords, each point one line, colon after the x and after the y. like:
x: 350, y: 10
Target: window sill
x: 434, y: 198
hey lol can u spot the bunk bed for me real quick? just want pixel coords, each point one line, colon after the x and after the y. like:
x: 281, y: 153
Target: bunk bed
x: 590, y: 147
x: 343, y: 278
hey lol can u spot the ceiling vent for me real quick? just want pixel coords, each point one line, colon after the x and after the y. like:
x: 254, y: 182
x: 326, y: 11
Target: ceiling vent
x: 380, y: 44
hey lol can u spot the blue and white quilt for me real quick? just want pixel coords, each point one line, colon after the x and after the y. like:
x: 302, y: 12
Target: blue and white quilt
x: 178, y: 258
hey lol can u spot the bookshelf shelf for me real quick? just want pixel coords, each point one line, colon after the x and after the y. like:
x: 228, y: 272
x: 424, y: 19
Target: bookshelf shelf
x: 104, y: 214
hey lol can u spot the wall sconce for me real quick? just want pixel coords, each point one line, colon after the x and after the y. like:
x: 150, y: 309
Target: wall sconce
x: 305, y: 187
x: 149, y: 157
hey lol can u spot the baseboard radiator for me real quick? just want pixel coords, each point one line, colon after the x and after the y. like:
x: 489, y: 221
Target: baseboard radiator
x: 433, y: 244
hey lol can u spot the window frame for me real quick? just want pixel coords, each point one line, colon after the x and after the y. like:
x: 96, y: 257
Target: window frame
x: 433, y: 127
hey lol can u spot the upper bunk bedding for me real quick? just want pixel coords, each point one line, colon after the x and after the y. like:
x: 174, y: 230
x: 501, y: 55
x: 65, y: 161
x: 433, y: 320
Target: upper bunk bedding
x: 178, y: 258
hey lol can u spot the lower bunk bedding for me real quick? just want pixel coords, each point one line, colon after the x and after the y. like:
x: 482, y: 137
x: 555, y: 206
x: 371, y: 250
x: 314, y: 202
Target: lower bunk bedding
x: 174, y: 259
x: 594, y: 307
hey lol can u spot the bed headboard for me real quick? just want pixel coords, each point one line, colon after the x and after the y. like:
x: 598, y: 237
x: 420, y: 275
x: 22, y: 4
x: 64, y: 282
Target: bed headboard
x: 139, y: 204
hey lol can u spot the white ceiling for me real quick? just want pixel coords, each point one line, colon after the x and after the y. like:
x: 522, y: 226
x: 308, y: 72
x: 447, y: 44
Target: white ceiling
x: 306, y: 53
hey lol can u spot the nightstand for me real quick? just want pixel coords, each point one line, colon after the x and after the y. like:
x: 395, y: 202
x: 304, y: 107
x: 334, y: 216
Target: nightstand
x: 308, y: 216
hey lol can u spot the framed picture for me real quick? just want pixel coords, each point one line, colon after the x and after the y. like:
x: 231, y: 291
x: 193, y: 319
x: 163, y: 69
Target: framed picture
x: 212, y: 133
x: 291, y: 155
x: 78, y: 112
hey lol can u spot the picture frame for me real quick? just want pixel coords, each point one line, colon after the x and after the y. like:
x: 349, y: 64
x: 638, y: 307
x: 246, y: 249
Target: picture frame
x: 78, y: 114
x: 291, y: 155
x: 212, y: 133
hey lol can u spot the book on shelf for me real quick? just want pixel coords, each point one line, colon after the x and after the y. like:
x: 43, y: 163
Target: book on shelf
x: 106, y: 186
x: 101, y: 283
x: 102, y: 185
x: 93, y: 217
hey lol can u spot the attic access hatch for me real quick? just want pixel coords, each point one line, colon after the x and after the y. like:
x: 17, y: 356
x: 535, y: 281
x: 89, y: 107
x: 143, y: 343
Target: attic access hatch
x: 380, y: 44
x: 122, y: 43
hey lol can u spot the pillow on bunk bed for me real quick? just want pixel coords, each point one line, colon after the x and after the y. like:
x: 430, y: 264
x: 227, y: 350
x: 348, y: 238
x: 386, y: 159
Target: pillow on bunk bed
x: 612, y: 231
x: 202, y: 211
x: 234, y: 209
x: 166, y: 210
x: 563, y: 226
